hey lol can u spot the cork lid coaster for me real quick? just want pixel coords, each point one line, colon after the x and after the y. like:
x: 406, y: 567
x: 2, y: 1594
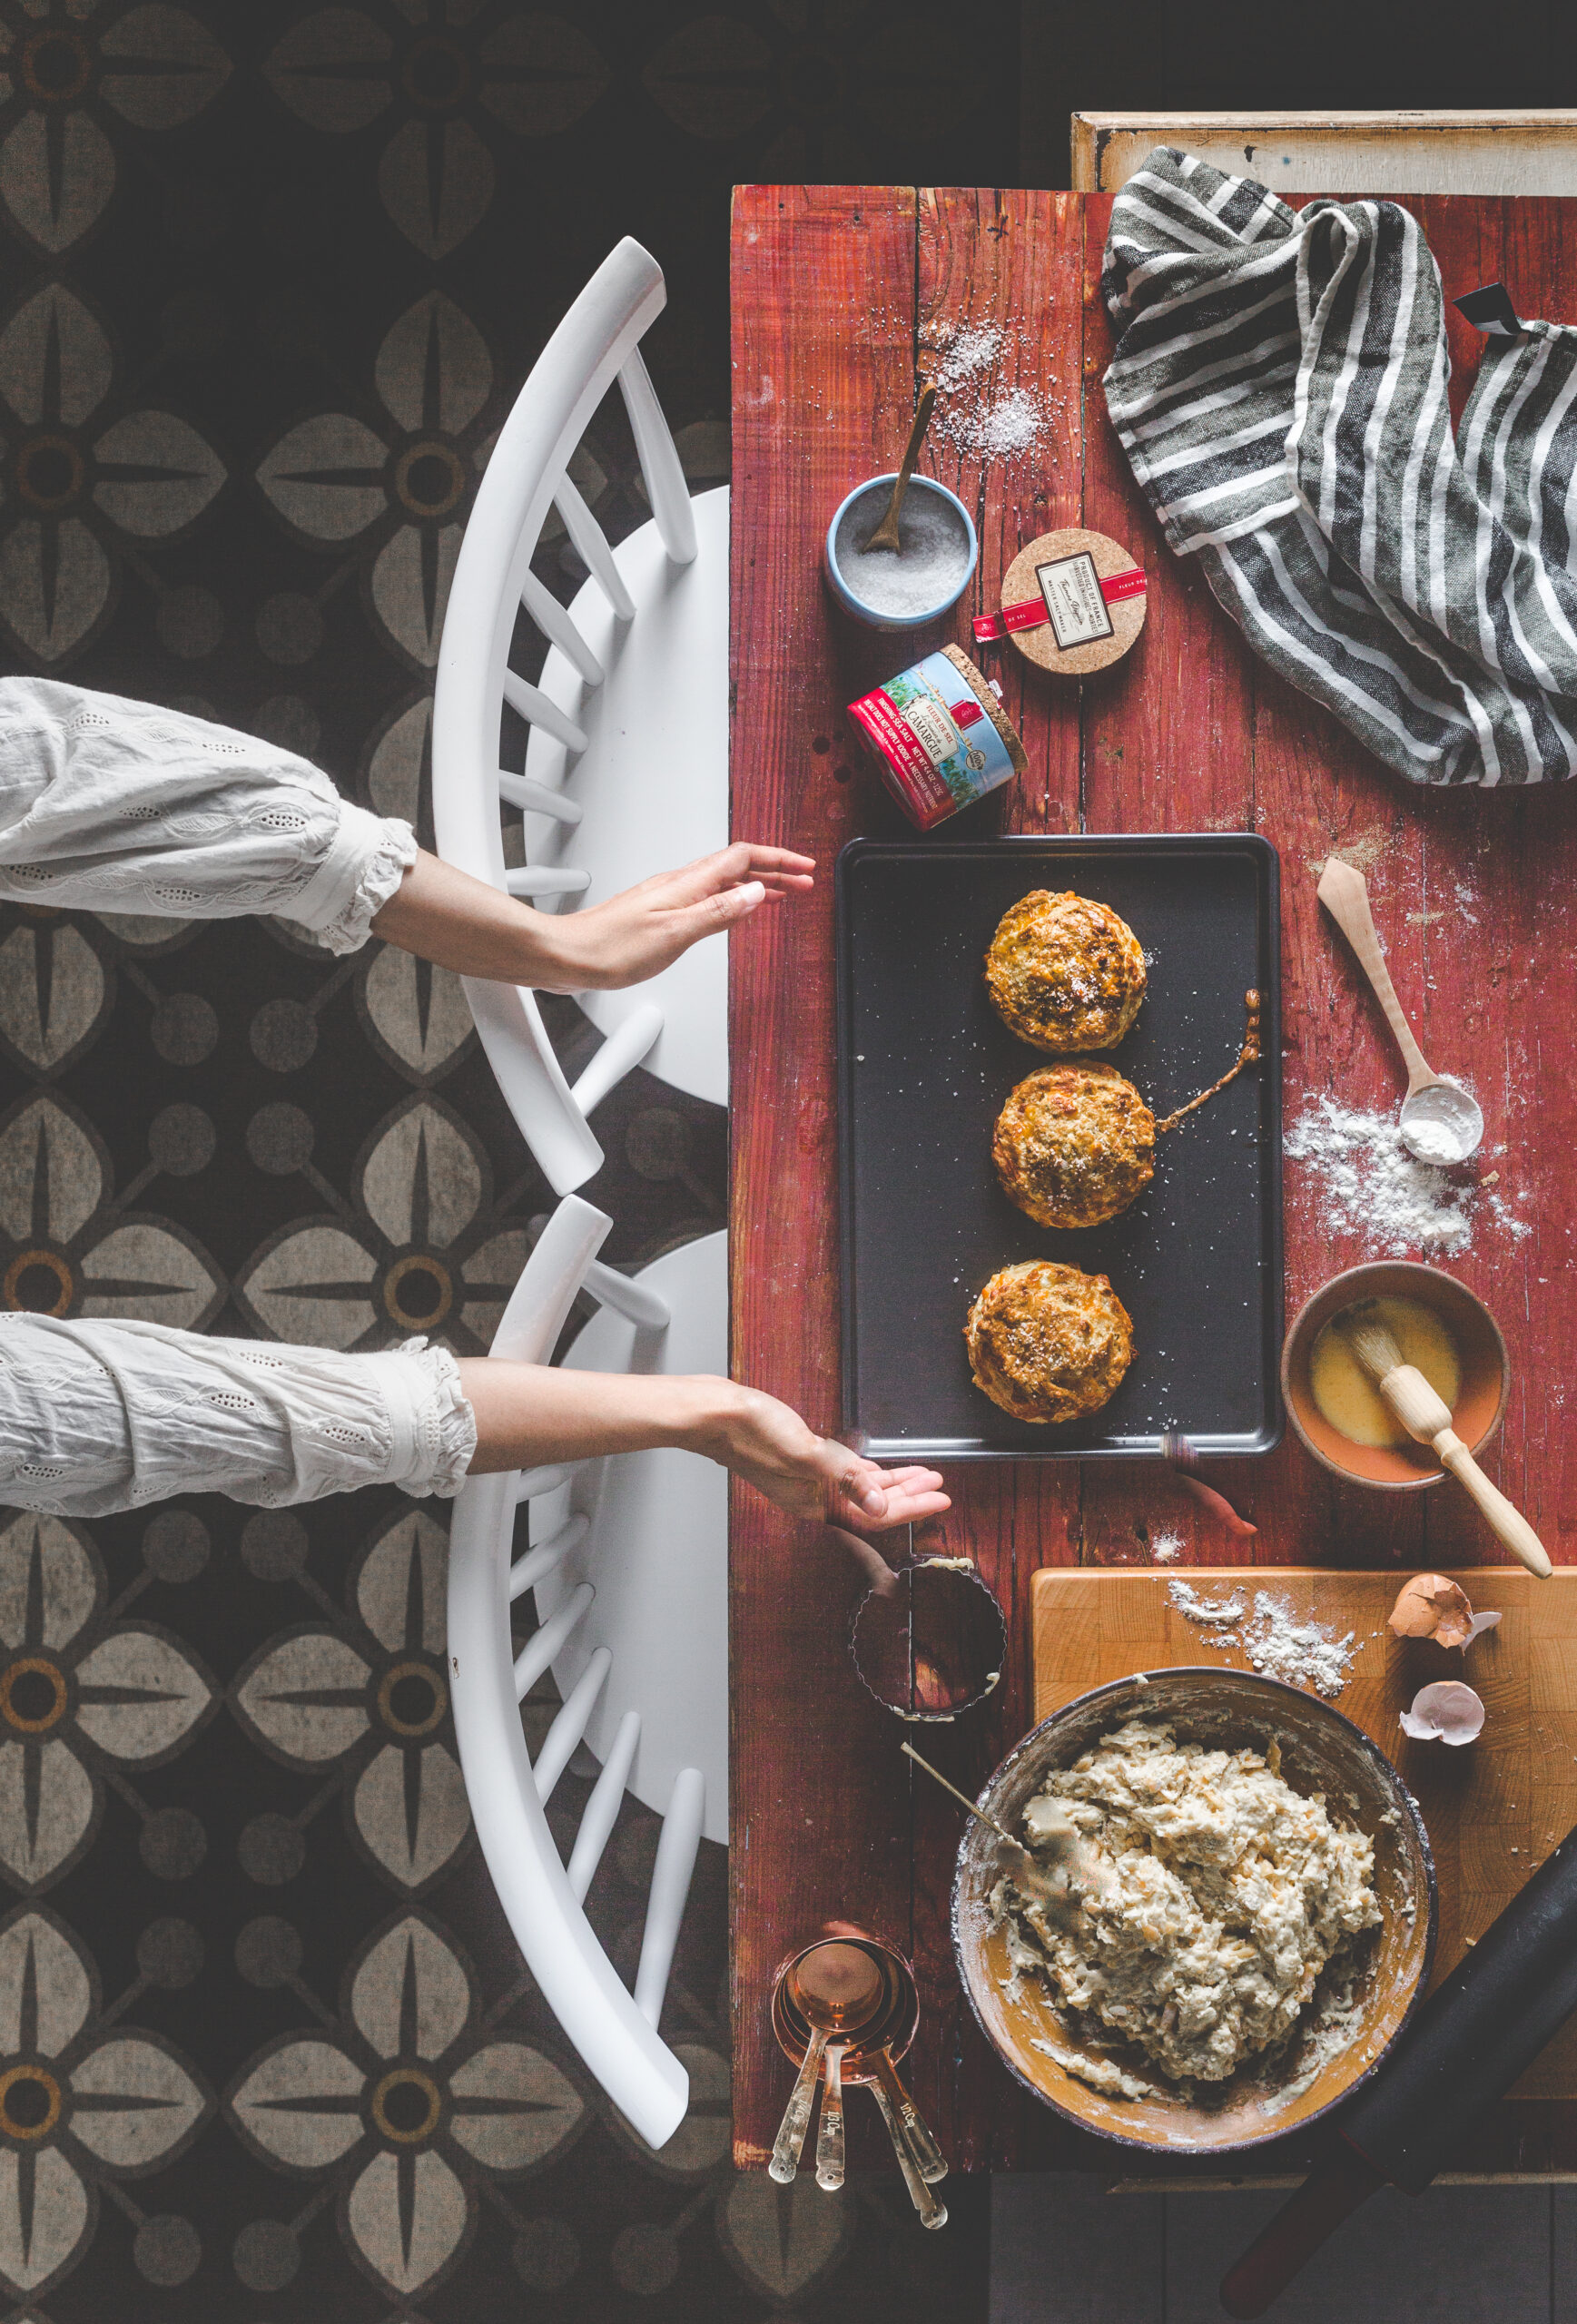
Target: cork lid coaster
x: 1067, y: 568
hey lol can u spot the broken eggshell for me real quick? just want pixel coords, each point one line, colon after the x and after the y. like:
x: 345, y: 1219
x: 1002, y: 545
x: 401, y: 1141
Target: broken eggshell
x: 1434, y: 1606
x: 1447, y: 1712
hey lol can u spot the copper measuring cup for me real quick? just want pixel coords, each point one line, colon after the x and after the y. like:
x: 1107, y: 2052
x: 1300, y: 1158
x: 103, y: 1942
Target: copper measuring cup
x: 870, y: 2055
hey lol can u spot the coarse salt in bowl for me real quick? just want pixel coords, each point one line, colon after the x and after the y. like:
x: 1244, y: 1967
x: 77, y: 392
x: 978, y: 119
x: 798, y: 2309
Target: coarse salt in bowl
x: 936, y: 556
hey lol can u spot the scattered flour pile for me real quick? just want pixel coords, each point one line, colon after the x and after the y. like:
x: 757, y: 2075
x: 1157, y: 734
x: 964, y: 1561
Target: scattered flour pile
x: 1302, y: 1654
x: 1367, y: 1184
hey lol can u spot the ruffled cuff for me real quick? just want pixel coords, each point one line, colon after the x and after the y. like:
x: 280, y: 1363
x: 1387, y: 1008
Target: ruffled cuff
x: 434, y: 1428
x: 368, y: 858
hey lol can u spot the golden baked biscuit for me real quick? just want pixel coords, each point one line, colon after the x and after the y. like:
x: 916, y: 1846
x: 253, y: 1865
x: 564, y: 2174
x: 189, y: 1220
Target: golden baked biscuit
x: 1049, y: 1343
x: 1074, y: 1144
x: 1065, y: 973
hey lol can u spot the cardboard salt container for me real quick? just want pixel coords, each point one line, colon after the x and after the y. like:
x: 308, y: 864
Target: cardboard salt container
x: 940, y: 737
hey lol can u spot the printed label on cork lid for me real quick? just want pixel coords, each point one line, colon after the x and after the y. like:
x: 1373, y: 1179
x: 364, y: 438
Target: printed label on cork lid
x: 1074, y: 603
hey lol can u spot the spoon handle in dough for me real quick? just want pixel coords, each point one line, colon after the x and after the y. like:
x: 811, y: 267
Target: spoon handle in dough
x: 796, y: 2115
x: 932, y: 2213
x: 1506, y: 1522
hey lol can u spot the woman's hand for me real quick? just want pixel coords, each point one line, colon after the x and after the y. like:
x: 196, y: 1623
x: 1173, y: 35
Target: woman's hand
x: 772, y: 1448
x: 443, y: 915
x: 634, y: 935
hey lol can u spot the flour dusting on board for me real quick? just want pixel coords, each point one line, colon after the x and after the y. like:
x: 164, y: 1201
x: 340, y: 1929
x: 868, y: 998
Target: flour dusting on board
x: 1301, y: 1654
x: 1366, y: 1183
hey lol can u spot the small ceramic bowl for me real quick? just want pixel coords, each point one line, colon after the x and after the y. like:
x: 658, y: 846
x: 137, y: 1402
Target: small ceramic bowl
x: 878, y: 487
x: 1485, y: 1373
x: 1321, y: 1751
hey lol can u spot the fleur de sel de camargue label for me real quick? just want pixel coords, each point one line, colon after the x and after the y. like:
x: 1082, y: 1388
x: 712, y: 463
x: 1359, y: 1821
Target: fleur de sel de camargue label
x: 1074, y: 603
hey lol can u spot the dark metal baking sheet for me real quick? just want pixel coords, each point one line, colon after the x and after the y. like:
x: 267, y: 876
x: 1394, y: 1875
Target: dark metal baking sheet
x: 924, y: 1065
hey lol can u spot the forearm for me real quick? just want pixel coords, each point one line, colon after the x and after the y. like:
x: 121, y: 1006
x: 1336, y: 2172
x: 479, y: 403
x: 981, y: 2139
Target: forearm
x: 444, y: 916
x: 529, y: 1415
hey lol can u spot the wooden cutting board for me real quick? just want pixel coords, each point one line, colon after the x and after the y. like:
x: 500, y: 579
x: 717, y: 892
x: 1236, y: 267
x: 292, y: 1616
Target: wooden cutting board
x: 1495, y: 1809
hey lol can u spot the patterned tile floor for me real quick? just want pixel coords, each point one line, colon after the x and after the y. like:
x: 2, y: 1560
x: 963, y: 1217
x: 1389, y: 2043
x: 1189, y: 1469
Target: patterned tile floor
x: 273, y: 277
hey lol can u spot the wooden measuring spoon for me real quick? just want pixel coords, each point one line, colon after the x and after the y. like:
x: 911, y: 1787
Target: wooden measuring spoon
x: 886, y: 533
x: 1440, y: 1123
x: 837, y: 1989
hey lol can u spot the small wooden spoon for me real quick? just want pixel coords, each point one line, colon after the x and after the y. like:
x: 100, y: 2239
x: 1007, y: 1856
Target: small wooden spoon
x: 1431, y: 1102
x: 886, y: 533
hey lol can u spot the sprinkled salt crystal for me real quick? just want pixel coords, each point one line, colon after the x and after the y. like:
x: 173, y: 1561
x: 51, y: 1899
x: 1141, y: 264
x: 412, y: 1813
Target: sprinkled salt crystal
x: 976, y: 421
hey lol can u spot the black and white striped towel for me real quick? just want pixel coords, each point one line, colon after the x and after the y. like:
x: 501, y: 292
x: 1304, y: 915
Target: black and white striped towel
x: 1280, y: 386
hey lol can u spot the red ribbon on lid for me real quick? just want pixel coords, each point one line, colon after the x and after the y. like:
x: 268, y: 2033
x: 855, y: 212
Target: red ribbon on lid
x: 1030, y: 613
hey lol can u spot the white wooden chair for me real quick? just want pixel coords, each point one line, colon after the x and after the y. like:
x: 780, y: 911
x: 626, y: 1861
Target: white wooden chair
x: 630, y: 1573
x: 627, y: 765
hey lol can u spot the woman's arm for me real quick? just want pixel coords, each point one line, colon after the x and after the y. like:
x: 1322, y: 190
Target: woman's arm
x: 529, y: 1415
x: 444, y: 916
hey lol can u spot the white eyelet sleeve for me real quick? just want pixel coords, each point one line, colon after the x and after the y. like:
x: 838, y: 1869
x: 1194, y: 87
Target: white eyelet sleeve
x: 111, y: 805
x: 96, y: 1417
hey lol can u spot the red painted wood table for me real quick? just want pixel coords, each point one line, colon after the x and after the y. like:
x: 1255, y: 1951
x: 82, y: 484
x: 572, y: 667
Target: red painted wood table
x: 842, y: 295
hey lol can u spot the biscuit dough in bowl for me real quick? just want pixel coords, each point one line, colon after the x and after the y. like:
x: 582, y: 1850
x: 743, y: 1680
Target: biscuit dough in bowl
x: 1049, y: 1343
x: 1208, y: 1899
x: 1064, y: 972
x: 1075, y: 1143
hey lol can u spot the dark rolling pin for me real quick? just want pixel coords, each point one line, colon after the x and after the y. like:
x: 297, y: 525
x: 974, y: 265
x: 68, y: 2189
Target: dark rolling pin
x: 1476, y: 2032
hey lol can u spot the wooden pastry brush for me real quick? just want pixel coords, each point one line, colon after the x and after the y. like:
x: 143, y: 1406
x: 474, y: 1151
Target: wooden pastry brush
x: 1425, y: 1415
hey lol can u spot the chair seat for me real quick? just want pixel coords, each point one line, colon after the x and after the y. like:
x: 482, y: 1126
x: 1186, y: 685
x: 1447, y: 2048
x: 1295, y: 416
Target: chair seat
x: 656, y: 1552
x: 654, y: 779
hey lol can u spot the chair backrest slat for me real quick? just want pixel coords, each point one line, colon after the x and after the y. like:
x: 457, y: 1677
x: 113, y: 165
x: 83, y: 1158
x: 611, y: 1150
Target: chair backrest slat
x: 543, y: 1644
x: 602, y: 1809
x: 591, y: 546
x: 540, y: 1305
x: 558, y: 628
x: 635, y: 1301
x: 535, y: 1482
x: 539, y: 709
x: 665, y: 487
x: 670, y: 1886
x: 546, y: 879
x: 560, y: 1742
x: 626, y: 1046
x: 536, y: 798
x: 538, y: 1564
